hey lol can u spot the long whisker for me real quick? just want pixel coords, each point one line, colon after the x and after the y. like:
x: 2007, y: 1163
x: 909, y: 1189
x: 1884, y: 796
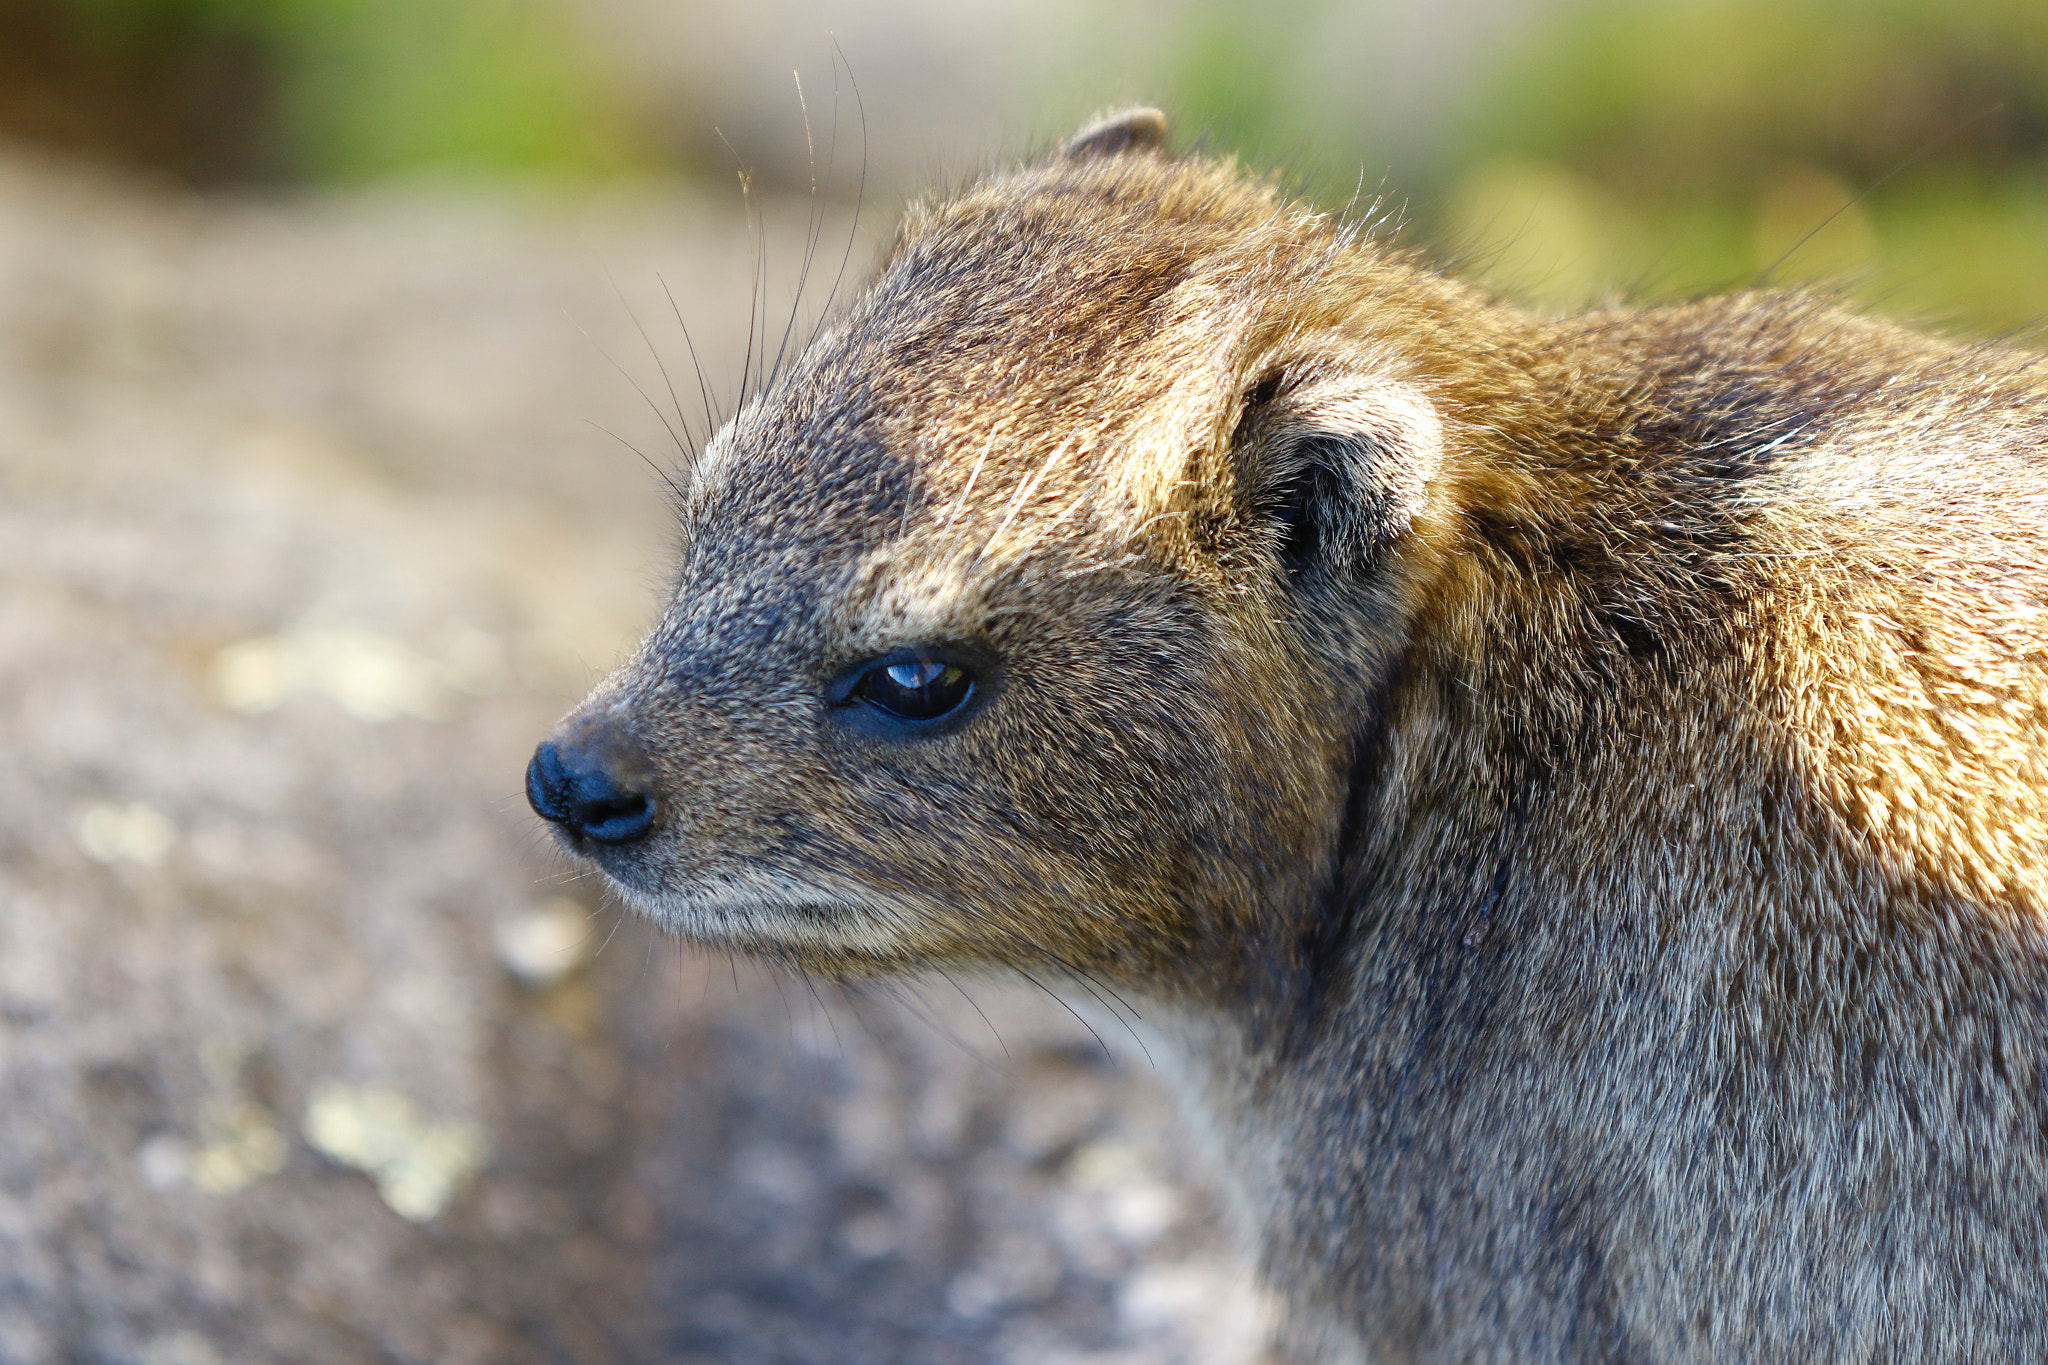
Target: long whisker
x: 1089, y: 982
x: 760, y: 261
x: 1069, y: 1009
x: 703, y: 386
x: 673, y: 487
x: 920, y: 1009
x: 975, y: 1005
x: 1030, y: 486
x: 852, y: 998
x: 811, y: 232
x: 688, y: 451
x: 617, y: 920
x: 860, y: 193
x: 688, y: 447
x: 1764, y: 276
x: 788, y: 1014
x: 1086, y: 496
x: 830, y: 1022
x: 966, y: 489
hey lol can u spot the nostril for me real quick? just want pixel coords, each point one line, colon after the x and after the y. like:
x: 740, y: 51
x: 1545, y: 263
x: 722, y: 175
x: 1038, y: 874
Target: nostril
x: 592, y: 784
x: 618, y: 819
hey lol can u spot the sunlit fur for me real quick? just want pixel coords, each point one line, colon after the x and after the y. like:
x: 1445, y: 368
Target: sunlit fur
x: 1598, y: 892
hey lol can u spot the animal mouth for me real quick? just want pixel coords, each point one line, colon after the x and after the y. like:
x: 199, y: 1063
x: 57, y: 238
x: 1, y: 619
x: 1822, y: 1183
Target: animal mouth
x: 762, y: 911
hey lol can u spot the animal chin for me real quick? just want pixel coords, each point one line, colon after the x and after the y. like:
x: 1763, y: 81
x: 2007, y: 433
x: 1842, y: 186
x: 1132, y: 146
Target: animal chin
x: 757, y: 917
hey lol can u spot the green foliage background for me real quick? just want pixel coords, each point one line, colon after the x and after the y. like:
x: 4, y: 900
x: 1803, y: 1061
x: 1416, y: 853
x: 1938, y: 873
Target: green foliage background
x: 359, y: 89
x: 1895, y: 149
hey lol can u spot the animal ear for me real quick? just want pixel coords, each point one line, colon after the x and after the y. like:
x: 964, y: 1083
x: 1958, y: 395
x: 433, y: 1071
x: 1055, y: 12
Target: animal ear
x: 1132, y: 130
x: 1335, y: 470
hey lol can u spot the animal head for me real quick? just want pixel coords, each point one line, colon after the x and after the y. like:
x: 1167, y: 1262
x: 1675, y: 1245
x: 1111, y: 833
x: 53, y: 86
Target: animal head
x: 1031, y: 615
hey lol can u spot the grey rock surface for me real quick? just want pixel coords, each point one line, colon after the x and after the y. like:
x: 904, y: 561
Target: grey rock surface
x: 311, y: 1049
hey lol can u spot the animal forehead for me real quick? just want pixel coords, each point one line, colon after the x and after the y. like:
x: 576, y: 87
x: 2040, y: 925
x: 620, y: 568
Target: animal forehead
x: 1048, y: 276
x: 1055, y: 313
x: 1052, y: 329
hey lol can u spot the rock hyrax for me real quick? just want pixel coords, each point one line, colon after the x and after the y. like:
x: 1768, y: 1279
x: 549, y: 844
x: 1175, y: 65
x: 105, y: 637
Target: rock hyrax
x: 1569, y: 790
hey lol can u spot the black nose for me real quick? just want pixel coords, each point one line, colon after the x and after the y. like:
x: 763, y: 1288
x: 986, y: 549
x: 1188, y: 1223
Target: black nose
x: 593, y: 779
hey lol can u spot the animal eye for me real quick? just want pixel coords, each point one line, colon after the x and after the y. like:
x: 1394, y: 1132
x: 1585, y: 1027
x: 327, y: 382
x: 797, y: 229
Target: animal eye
x: 915, y: 689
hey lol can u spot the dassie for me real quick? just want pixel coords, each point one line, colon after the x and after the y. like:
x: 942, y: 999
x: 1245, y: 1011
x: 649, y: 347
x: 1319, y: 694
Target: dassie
x: 1569, y: 792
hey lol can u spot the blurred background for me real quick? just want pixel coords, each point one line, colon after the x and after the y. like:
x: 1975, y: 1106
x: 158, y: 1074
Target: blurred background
x: 1570, y: 147
x: 336, y: 345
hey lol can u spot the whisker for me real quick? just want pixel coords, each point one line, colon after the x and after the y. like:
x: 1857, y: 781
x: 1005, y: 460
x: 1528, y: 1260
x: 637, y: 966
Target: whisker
x: 1089, y: 982
x: 904, y: 993
x: 1763, y: 276
x: 831, y: 1023
x: 860, y: 192
x: 617, y: 920
x: 811, y: 232
x: 760, y: 261
x: 703, y: 386
x: 652, y: 406
x: 1069, y: 1009
x: 966, y: 489
x: 704, y: 984
x: 788, y: 1014
x: 975, y: 1005
x: 660, y: 473
x: 851, y: 997
x: 760, y: 306
x: 825, y: 198
x: 1087, y: 975
x: 1024, y: 493
x: 689, y: 447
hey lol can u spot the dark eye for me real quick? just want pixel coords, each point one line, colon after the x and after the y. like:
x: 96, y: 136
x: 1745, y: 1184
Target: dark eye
x: 915, y: 689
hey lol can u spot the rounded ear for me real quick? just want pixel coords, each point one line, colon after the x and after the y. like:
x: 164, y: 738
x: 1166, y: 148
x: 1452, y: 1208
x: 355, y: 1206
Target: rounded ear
x: 1337, y: 468
x: 1132, y: 130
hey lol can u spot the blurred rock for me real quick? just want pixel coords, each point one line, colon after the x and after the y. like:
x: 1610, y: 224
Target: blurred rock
x: 311, y: 1049
x: 543, y: 944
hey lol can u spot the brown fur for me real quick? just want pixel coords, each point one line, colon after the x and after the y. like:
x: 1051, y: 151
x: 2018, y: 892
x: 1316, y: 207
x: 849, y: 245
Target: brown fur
x: 1597, y: 889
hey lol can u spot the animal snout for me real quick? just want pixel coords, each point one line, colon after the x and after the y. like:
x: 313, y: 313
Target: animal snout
x: 593, y: 780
